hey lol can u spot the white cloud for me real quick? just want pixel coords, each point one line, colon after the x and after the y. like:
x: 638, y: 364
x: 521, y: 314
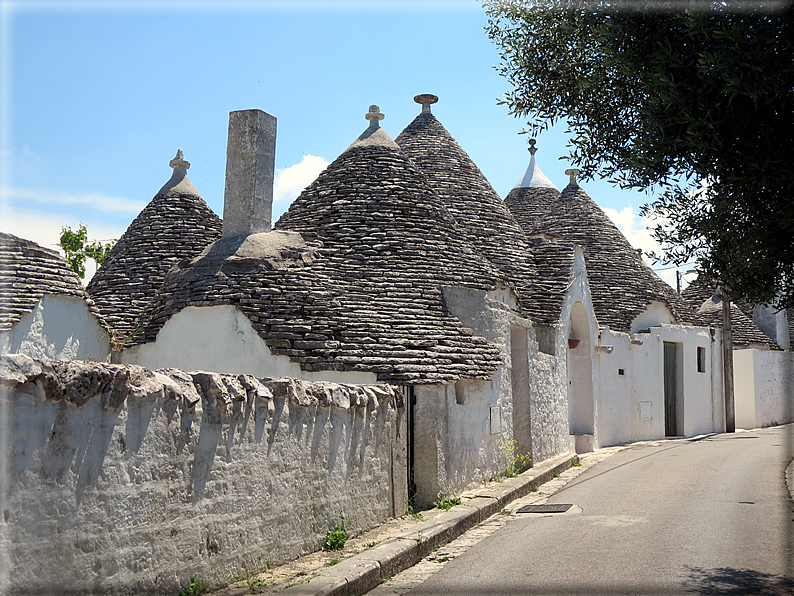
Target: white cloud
x: 45, y: 229
x: 637, y: 232
x: 634, y: 228
x: 289, y: 182
x: 98, y: 201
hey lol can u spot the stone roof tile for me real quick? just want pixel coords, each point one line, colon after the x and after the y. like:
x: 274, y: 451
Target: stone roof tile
x: 29, y: 271
x: 621, y: 284
x: 177, y: 224
x: 554, y: 262
x: 480, y: 214
x: 744, y: 331
x: 351, y: 277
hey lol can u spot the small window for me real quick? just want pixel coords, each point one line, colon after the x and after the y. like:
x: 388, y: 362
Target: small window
x: 546, y: 339
x: 701, y: 360
x: 621, y: 372
x: 460, y: 392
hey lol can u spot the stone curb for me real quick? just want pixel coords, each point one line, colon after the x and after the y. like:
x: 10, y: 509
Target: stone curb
x: 365, y: 571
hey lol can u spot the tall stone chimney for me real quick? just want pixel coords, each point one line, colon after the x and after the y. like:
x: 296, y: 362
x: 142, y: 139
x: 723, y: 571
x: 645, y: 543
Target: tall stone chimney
x: 250, y: 165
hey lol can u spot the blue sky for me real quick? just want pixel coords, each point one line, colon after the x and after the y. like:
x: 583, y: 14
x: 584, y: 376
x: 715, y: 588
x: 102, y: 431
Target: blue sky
x: 98, y: 96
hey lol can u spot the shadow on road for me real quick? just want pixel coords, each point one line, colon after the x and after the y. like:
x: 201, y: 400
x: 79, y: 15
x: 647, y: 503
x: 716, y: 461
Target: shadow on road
x: 732, y: 582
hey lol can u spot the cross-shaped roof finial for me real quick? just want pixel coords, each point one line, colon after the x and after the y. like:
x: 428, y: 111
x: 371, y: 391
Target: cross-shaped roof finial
x: 573, y: 173
x: 179, y: 161
x: 374, y: 116
x: 426, y: 99
x: 532, y: 147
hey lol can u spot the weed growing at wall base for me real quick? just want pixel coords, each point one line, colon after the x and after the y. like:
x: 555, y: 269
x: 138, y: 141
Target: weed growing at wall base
x: 195, y: 587
x: 336, y: 537
x: 514, y: 461
x: 257, y: 582
x: 410, y: 512
x: 446, y: 504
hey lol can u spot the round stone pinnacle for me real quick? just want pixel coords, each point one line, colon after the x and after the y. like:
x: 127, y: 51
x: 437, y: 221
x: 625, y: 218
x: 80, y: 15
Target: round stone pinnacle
x: 573, y: 173
x: 532, y: 149
x: 426, y: 99
x: 374, y: 114
x: 179, y: 160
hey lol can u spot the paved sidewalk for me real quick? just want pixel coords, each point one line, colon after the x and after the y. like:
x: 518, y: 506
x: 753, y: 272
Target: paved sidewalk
x: 375, y: 556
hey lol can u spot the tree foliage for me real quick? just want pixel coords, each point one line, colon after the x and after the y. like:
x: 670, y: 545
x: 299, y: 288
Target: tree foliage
x: 692, y: 101
x: 77, y: 248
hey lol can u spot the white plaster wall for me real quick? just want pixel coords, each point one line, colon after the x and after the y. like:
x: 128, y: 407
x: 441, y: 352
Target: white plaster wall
x: 763, y: 387
x: 656, y: 314
x: 616, y: 404
x: 140, y: 499
x: 744, y: 388
x: 221, y: 339
x: 774, y: 323
x: 58, y: 328
x: 620, y: 397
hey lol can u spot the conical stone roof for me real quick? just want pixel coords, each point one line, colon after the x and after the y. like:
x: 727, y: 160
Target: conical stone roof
x: 622, y: 286
x: 392, y: 246
x: 177, y: 224
x: 480, y: 214
x: 532, y: 197
x: 351, y: 277
x: 28, y: 271
x: 554, y: 262
x: 744, y: 331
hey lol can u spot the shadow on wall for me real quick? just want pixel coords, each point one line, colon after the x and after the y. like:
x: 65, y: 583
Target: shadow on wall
x: 60, y: 423
x: 206, y: 465
x: 64, y: 439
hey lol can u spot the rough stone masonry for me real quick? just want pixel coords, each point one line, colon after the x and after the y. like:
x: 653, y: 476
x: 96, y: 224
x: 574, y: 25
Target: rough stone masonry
x: 121, y: 480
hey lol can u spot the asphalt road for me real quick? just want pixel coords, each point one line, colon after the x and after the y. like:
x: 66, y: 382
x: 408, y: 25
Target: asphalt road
x: 706, y: 516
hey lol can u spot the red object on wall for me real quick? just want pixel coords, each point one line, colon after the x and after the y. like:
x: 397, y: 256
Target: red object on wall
x: 573, y: 343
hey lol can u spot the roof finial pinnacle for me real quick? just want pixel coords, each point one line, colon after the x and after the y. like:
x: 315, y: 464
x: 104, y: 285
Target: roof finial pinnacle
x: 179, y: 161
x: 573, y: 173
x: 426, y: 99
x: 532, y: 147
x: 374, y: 115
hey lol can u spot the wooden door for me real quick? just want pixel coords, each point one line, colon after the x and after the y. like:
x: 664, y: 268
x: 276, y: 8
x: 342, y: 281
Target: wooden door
x: 670, y: 385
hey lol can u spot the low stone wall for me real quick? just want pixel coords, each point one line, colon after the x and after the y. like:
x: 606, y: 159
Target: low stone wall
x: 115, y: 479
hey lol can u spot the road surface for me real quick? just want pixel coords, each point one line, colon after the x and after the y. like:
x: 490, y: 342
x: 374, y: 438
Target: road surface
x: 706, y: 516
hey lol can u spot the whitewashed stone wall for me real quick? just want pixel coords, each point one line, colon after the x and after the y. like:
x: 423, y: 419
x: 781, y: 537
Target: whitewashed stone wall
x: 624, y: 400
x: 457, y: 434
x: 550, y: 371
x: 461, y: 428
x: 763, y: 387
x: 455, y: 447
x: 59, y: 328
x: 119, y: 480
